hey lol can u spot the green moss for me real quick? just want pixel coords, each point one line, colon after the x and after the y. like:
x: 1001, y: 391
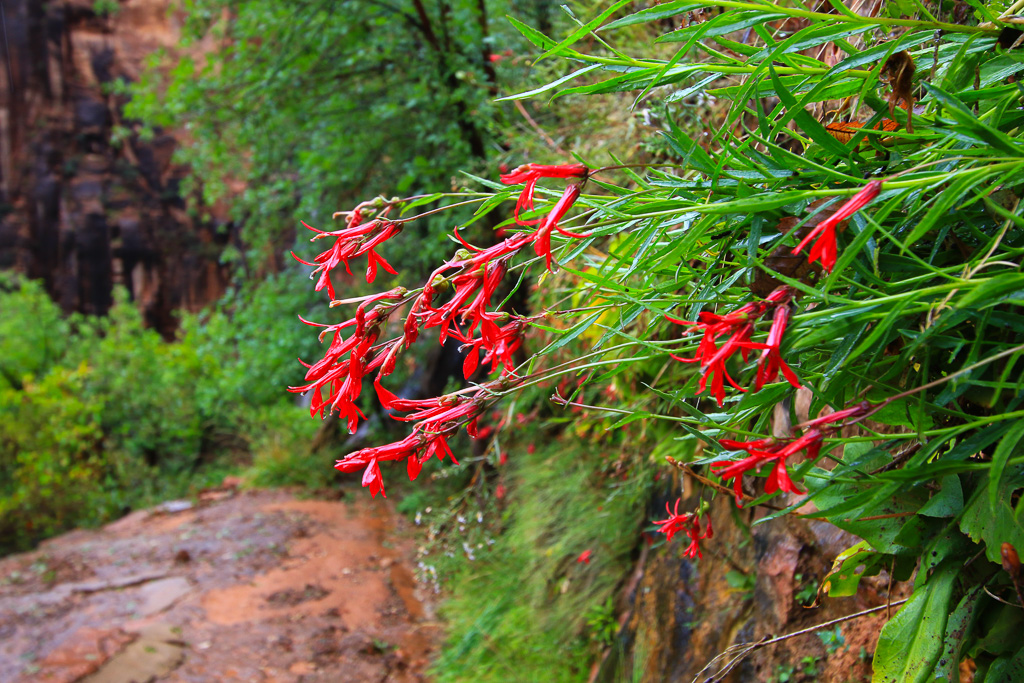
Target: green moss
x: 518, y: 610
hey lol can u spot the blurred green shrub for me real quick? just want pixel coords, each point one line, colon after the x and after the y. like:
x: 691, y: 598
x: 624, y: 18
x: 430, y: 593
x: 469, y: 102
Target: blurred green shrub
x: 49, y: 456
x: 145, y: 387
x: 250, y: 341
x: 281, y: 450
x: 101, y: 415
x: 33, y: 335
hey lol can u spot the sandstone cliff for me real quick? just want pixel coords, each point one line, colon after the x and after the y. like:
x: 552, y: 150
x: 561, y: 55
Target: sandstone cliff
x: 77, y: 210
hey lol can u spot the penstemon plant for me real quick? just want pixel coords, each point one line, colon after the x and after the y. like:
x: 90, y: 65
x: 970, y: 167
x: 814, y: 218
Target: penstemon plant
x: 849, y: 230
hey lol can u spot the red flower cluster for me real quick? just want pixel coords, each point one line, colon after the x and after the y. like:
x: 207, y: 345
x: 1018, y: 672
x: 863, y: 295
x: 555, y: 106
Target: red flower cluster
x: 739, y: 325
x: 352, y: 241
x: 530, y: 174
x: 689, y: 523
x: 473, y: 277
x: 437, y: 420
x: 474, y: 286
x: 824, y: 249
x: 498, y: 343
x: 762, y: 451
x: 341, y: 375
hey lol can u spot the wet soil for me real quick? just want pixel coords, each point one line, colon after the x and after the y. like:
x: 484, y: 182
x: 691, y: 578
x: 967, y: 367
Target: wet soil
x: 257, y: 586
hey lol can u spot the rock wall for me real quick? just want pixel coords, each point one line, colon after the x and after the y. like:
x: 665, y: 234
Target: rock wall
x: 77, y: 210
x: 697, y: 621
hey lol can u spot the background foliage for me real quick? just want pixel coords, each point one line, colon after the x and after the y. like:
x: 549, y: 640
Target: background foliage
x: 306, y: 107
x: 360, y: 98
x: 100, y: 415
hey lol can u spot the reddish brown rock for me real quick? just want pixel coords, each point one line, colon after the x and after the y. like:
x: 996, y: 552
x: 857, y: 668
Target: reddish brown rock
x: 83, y: 653
x: 76, y: 210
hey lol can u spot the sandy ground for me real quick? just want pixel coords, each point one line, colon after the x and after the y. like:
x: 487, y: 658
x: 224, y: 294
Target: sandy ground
x: 256, y: 586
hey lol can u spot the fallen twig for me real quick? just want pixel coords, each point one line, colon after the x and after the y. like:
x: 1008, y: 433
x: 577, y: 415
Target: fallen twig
x: 740, y: 651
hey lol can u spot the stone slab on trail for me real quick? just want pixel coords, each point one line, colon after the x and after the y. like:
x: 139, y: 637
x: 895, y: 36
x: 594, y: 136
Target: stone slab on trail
x: 159, y: 595
x: 157, y: 652
x: 259, y: 586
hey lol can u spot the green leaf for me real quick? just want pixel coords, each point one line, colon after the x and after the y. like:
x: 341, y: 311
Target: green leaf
x: 946, y: 200
x: 691, y: 153
x: 428, y: 199
x: 965, y: 117
x: 879, y: 52
x: 573, y: 332
x: 656, y: 13
x: 585, y: 29
x: 632, y: 417
x: 875, y: 511
x: 948, y: 502
x: 807, y: 123
x: 849, y: 567
x: 530, y: 33
x: 959, y: 627
x: 1012, y: 443
x: 887, y: 326
x: 1005, y: 668
x: 765, y: 201
x: 911, y: 642
x: 1002, y: 627
x: 723, y: 24
x: 549, y: 86
x: 812, y: 36
x: 994, y: 526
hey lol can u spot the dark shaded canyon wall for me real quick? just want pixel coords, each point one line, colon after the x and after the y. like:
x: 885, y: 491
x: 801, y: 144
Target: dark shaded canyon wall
x: 754, y: 582
x: 79, y: 212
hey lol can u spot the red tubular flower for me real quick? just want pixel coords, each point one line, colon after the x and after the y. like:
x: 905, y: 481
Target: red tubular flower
x: 474, y: 288
x: 696, y: 535
x: 422, y: 308
x: 530, y: 174
x: 542, y: 238
x: 675, y: 522
x: 688, y: 522
x: 498, y: 342
x: 855, y: 413
x: 392, y: 402
x: 439, y: 419
x: 343, y: 377
x: 824, y: 249
x: 763, y: 451
x: 443, y: 409
x: 481, y: 257
x: 408, y: 448
x: 739, y: 325
x: 373, y: 479
x: 369, y: 458
x: 714, y: 325
x: 714, y: 367
x: 387, y: 357
x: 350, y: 242
x: 475, y: 312
x: 771, y: 358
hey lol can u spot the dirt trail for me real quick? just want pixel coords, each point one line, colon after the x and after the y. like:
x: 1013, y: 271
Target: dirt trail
x: 258, y: 586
